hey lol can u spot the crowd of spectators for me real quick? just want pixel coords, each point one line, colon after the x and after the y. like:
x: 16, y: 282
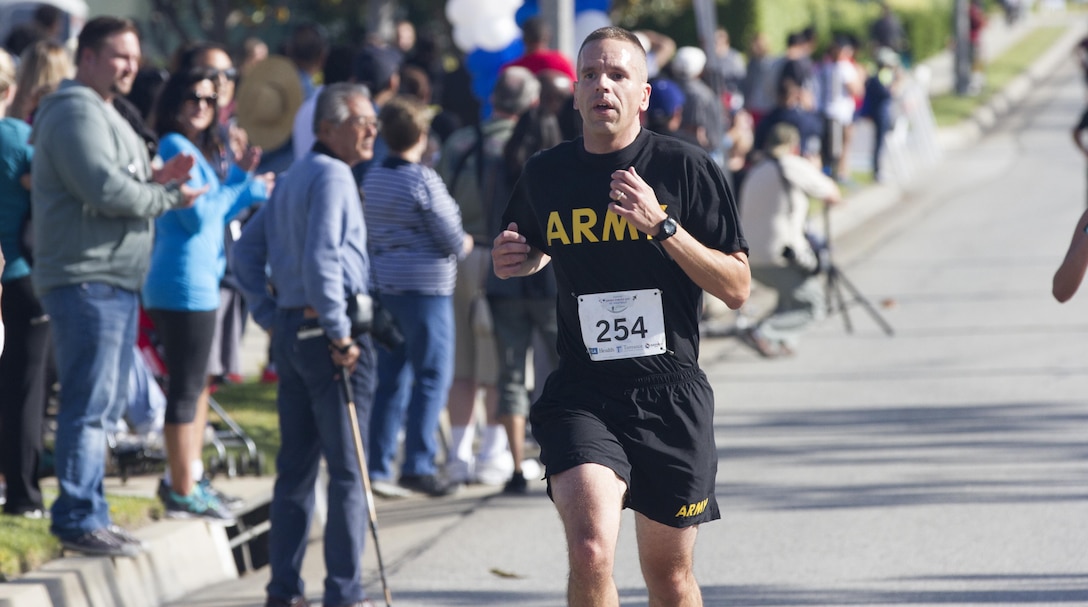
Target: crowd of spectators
x: 433, y: 189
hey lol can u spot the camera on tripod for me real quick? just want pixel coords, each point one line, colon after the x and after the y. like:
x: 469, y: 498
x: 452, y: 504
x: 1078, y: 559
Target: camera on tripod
x: 368, y: 316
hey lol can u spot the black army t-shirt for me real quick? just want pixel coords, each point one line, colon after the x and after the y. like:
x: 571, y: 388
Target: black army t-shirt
x: 560, y: 204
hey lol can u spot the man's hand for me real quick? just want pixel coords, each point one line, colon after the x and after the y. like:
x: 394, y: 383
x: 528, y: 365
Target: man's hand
x: 345, y: 353
x: 634, y: 200
x: 509, y: 251
x: 189, y: 196
x: 174, y: 170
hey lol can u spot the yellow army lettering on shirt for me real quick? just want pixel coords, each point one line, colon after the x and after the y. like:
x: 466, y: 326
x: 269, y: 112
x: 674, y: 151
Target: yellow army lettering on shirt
x: 584, y: 226
x: 690, y: 510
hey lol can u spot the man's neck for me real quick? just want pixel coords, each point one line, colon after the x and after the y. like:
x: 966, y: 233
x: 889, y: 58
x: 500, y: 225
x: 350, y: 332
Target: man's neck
x: 106, y: 95
x: 610, y: 144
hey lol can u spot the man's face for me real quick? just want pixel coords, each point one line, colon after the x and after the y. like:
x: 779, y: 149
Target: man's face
x: 610, y: 93
x: 111, y: 69
x: 353, y: 140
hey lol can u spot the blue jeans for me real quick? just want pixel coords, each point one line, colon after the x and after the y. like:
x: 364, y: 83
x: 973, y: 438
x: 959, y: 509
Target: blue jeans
x: 94, y: 330
x: 314, y: 422
x: 413, y: 385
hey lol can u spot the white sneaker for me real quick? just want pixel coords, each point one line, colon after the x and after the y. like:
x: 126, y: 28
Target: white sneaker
x: 388, y: 489
x: 496, y: 470
x: 461, y: 472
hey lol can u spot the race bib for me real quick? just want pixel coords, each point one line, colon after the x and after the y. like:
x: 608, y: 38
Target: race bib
x: 622, y: 324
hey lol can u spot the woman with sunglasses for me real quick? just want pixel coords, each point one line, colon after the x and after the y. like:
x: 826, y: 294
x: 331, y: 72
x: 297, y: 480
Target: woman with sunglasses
x: 181, y: 294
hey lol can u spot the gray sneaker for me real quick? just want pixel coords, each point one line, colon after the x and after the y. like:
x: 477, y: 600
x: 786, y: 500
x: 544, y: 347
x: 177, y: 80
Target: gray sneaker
x: 127, y: 538
x: 100, y: 542
x: 233, y: 503
x: 197, y: 504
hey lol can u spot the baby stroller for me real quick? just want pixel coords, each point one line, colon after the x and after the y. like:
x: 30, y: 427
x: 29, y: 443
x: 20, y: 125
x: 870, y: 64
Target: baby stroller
x: 235, y: 451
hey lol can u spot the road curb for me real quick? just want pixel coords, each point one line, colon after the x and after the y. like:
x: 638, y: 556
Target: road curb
x: 184, y: 556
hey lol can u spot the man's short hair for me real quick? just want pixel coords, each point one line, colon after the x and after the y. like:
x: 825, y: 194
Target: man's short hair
x: 782, y: 139
x: 47, y: 16
x: 612, y: 32
x: 535, y: 30
x: 516, y: 90
x: 404, y: 120
x: 95, y: 32
x: 332, y: 102
x: 375, y: 66
x: 308, y: 44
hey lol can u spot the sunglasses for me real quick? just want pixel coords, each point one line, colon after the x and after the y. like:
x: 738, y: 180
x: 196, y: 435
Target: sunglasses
x: 194, y: 98
x: 230, y: 73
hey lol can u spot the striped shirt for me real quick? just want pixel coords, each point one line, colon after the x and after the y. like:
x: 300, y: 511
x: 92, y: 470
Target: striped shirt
x: 414, y: 229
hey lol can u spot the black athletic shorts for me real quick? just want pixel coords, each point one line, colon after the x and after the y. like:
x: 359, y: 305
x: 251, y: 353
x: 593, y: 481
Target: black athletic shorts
x: 656, y: 433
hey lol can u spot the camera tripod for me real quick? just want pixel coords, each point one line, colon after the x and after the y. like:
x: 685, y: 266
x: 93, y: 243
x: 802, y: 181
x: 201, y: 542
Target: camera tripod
x: 836, y: 280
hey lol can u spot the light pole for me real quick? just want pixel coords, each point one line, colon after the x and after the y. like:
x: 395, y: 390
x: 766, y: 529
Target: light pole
x: 962, y: 56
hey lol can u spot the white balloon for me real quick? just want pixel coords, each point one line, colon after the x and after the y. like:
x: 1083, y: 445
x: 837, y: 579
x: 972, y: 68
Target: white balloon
x: 484, y: 24
x: 500, y: 35
x: 459, y: 11
x: 586, y: 22
x: 463, y: 38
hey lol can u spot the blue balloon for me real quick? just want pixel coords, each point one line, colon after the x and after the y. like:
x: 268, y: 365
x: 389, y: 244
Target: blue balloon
x: 592, y: 5
x: 484, y: 67
x: 529, y: 9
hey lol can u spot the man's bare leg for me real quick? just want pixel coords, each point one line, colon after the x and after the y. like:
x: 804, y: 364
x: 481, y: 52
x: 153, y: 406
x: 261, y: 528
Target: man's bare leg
x: 589, y: 499
x: 667, y: 556
x: 515, y: 435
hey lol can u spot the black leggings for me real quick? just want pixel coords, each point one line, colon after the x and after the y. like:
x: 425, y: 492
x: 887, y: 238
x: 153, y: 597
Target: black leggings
x: 23, y: 394
x: 187, y: 341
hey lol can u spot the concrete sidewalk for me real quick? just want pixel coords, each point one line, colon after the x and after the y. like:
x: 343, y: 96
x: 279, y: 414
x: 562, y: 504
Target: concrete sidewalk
x: 190, y: 563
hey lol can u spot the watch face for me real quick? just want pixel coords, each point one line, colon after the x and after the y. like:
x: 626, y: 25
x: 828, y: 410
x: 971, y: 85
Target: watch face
x: 668, y: 228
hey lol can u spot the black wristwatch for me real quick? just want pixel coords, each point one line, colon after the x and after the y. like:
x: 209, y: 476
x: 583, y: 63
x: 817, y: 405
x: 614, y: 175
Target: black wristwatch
x: 666, y: 229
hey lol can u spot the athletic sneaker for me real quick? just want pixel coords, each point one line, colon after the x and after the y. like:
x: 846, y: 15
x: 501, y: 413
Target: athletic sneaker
x: 517, y: 485
x: 100, y: 542
x: 298, y: 601
x: 460, y: 472
x: 197, y: 504
x: 496, y: 470
x: 127, y: 538
x: 233, y: 503
x: 428, y: 484
x: 389, y: 490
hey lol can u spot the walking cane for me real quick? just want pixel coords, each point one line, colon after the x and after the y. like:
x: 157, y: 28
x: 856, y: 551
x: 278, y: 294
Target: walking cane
x: 372, y: 514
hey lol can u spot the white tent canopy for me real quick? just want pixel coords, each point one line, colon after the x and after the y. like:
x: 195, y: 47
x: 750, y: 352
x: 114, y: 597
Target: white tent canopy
x: 17, y: 12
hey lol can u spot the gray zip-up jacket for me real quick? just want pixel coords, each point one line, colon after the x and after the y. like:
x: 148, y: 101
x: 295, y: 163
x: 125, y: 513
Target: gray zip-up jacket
x: 91, y: 198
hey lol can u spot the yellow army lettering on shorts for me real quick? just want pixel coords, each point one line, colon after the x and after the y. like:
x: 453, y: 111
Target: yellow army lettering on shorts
x: 690, y: 510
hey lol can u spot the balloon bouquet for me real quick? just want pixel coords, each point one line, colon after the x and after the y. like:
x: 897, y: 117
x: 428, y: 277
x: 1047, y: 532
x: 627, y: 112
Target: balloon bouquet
x: 489, y: 33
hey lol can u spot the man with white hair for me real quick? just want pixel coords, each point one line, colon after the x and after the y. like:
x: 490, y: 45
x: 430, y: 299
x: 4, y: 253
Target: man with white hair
x: 704, y: 117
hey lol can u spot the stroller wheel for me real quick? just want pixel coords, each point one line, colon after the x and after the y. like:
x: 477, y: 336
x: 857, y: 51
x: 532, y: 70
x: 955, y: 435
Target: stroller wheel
x: 232, y: 466
x: 213, y: 467
x: 258, y: 464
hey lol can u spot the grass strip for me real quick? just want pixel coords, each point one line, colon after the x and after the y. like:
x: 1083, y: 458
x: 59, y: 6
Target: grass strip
x: 950, y: 108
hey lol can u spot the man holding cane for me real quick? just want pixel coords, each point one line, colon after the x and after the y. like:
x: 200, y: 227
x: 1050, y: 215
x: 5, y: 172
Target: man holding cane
x: 312, y: 236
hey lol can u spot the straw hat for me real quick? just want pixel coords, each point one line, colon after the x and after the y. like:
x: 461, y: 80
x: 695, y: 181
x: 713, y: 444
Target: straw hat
x: 268, y: 97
